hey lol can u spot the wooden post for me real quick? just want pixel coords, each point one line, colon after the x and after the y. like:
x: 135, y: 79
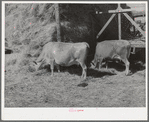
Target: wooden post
x: 119, y: 22
x: 58, y: 22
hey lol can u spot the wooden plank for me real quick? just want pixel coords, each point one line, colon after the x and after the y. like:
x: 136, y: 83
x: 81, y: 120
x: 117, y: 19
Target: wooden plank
x: 137, y: 26
x: 104, y: 27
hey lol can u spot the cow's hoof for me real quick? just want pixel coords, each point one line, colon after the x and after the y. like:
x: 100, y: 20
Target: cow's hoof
x: 128, y: 74
x: 82, y: 78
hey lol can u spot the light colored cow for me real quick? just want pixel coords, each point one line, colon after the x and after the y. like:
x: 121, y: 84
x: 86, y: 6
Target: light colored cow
x: 112, y: 49
x: 64, y: 54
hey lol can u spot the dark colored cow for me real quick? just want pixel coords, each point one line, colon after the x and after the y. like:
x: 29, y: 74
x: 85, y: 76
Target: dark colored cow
x: 64, y: 54
x: 112, y: 49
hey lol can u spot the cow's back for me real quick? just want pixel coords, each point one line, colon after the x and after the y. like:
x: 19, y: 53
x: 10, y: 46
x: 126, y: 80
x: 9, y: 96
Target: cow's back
x: 112, y: 48
x: 104, y: 49
x: 123, y: 48
x: 69, y: 53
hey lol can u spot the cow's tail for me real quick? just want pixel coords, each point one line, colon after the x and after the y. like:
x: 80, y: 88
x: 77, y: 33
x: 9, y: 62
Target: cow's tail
x: 87, y: 45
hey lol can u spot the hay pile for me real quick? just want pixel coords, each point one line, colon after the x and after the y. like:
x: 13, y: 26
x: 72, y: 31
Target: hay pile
x: 28, y: 27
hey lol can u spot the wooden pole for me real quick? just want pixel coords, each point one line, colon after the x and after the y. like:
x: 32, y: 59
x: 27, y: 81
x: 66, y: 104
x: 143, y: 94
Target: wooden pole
x: 134, y: 29
x: 119, y: 22
x: 104, y: 27
x: 58, y: 22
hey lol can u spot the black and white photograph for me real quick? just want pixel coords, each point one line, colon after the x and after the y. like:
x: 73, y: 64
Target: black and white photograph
x: 74, y: 60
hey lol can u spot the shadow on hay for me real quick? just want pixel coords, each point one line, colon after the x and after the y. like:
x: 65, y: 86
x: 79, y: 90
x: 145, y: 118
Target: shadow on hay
x: 77, y: 70
x: 137, y: 61
x: 95, y: 73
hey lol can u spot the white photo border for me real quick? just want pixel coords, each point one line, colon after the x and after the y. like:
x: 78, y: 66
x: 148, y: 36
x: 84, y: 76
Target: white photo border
x: 113, y: 113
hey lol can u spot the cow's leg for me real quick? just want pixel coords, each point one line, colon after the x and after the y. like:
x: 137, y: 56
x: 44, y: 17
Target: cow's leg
x: 126, y: 65
x: 100, y: 63
x: 52, y: 66
x: 58, y: 67
x: 84, y: 69
x: 106, y: 64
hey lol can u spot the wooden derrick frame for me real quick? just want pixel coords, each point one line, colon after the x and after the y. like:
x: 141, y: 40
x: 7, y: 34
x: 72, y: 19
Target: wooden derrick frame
x: 118, y: 11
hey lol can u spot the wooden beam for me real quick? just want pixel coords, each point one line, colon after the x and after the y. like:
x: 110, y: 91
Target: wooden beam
x: 137, y: 26
x: 117, y: 11
x: 114, y: 11
x: 104, y: 27
x: 110, y: 11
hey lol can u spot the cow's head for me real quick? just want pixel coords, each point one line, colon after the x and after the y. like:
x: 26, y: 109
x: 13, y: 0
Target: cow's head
x: 36, y: 65
x: 92, y: 64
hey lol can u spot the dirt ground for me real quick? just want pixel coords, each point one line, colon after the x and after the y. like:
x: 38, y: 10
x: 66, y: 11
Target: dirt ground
x: 65, y: 89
